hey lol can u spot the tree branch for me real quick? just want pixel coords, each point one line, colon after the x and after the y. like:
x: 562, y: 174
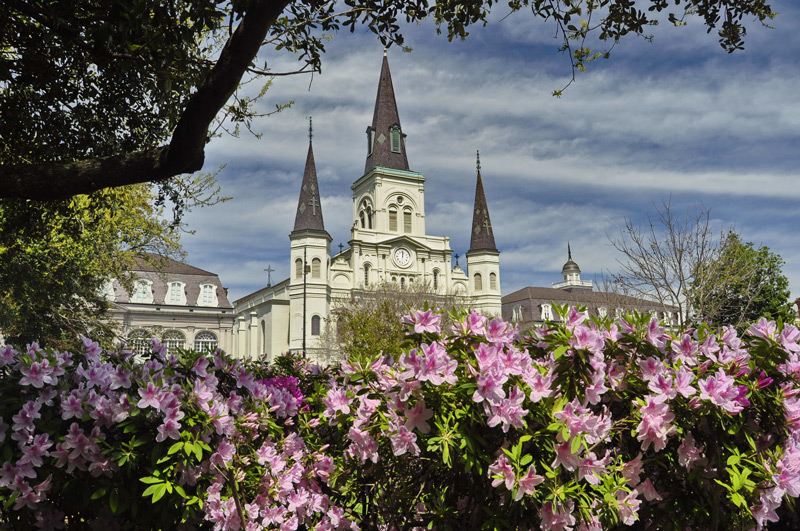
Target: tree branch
x: 185, y: 152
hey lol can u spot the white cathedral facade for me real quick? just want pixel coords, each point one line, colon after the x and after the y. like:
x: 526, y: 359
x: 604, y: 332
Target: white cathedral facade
x: 388, y: 243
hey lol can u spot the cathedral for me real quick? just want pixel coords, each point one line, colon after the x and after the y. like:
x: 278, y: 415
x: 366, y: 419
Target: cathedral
x: 388, y: 244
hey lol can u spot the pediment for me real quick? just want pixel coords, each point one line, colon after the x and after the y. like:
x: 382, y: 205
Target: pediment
x: 406, y: 240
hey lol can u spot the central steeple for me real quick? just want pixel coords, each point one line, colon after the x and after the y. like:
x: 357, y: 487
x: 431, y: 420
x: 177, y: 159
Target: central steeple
x: 386, y: 143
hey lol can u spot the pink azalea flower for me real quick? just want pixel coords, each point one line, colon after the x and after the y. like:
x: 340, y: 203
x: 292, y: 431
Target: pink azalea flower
x: 628, y: 504
x: 501, y: 472
x: 558, y: 518
x: 646, y: 489
x: 689, y: 454
x: 683, y: 382
x: 528, y: 482
x: 404, y: 440
x: 417, y: 417
x: 427, y: 321
x: 151, y: 396
x: 565, y: 457
x: 763, y: 329
x: 655, y: 425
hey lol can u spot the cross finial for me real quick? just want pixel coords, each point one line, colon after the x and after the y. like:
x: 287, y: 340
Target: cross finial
x: 569, y: 252
x: 310, y: 129
x: 340, y: 247
x: 478, y: 161
x: 457, y: 259
x: 269, y: 271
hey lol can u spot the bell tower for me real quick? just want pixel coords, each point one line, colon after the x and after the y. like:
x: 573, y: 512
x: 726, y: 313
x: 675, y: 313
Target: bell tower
x: 483, y: 258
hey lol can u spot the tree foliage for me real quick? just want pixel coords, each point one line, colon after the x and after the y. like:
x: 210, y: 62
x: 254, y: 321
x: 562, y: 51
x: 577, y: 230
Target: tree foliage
x: 58, y: 256
x: 369, y: 320
x: 115, y: 93
x: 682, y: 261
x: 759, y: 289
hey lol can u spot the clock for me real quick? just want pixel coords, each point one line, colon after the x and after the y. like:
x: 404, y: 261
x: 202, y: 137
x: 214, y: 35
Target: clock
x: 402, y: 257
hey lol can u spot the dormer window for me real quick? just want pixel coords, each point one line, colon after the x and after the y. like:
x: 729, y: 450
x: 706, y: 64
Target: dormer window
x: 208, y: 295
x: 142, y: 291
x: 394, y: 132
x: 175, y: 293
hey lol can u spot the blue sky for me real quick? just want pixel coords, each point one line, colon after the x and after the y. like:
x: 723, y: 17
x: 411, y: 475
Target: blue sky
x: 678, y: 118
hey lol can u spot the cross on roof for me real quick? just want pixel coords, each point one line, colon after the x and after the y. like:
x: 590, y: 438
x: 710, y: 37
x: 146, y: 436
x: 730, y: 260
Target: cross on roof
x: 269, y: 271
x: 341, y: 247
x: 478, y: 162
x: 486, y: 224
x: 457, y: 259
x: 310, y: 128
x: 313, y: 204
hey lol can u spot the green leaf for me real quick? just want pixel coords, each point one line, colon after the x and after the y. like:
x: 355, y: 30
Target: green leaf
x: 527, y: 458
x: 733, y: 460
x: 113, y: 501
x: 150, y: 480
x: 159, y: 492
x: 99, y: 493
x: 575, y: 445
x: 557, y: 353
x: 175, y: 447
x: 188, y: 448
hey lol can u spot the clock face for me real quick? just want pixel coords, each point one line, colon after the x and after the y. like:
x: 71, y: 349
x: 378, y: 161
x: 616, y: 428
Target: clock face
x: 402, y: 257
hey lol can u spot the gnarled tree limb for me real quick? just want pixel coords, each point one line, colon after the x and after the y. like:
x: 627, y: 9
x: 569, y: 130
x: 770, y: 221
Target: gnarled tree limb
x: 185, y: 152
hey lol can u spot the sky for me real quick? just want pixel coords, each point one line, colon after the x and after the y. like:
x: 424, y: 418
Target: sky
x: 674, y: 120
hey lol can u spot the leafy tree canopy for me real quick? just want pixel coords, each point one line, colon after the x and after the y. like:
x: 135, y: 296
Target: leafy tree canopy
x: 760, y: 289
x: 98, y: 94
x: 59, y: 256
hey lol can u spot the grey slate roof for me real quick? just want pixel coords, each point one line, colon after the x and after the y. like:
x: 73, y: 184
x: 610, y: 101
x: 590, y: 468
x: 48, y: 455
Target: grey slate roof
x: 384, y: 118
x: 309, y: 208
x: 167, y: 270
x: 531, y: 298
x: 482, y: 235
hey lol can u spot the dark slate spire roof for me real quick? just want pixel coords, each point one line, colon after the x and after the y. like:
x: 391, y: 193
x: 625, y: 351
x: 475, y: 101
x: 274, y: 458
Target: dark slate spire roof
x: 309, y: 209
x: 482, y: 235
x: 384, y: 119
x: 570, y: 266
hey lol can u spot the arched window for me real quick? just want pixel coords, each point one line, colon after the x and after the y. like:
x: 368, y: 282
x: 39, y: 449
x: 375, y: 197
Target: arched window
x: 395, y: 134
x: 435, y: 279
x: 407, y: 221
x: 492, y: 281
x: 361, y: 216
x: 478, y: 282
x: 139, y: 341
x: 173, y: 339
x: 316, y: 265
x: 393, y: 219
x: 298, y: 268
x: 205, y: 342
x: 547, y: 312
x: 369, y: 217
x: 516, y: 313
x: 366, y: 274
x: 315, y: 320
x: 402, y: 282
x: 370, y: 140
x: 602, y: 311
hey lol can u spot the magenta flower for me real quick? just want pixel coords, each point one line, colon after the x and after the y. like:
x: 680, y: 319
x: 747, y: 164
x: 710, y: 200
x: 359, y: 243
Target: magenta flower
x: 224, y: 454
x: 151, y: 396
x: 34, y: 452
x: 336, y: 400
x: 685, y: 350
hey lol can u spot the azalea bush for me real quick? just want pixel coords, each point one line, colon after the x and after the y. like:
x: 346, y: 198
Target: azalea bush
x: 583, y: 425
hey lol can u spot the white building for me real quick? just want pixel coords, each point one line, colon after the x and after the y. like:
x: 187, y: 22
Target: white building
x: 178, y: 304
x: 388, y: 243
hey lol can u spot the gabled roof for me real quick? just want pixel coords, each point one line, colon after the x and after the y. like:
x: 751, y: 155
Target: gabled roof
x: 309, y: 207
x: 579, y: 297
x: 384, y: 118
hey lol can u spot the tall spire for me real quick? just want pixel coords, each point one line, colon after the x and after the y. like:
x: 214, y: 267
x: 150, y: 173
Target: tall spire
x: 309, y: 209
x: 482, y: 235
x: 386, y: 144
